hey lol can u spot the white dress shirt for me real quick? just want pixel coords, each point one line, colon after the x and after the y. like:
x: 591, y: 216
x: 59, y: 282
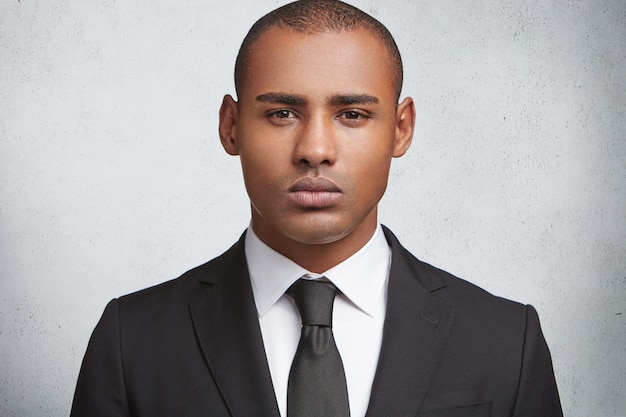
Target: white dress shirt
x: 358, y: 312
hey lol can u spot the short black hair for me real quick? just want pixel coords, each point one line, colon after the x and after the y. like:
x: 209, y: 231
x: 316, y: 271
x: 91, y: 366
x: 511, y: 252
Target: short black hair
x: 316, y: 16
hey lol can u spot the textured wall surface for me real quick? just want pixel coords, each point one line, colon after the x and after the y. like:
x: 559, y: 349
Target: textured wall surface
x: 112, y: 177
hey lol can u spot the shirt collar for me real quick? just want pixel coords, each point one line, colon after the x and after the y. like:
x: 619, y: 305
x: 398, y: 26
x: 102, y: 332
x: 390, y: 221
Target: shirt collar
x: 361, y: 278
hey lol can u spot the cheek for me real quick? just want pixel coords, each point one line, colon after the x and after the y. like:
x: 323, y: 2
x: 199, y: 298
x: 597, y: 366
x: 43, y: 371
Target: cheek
x: 256, y: 157
x: 372, y: 154
x: 261, y: 150
x: 257, y: 174
x: 373, y: 169
x: 262, y: 174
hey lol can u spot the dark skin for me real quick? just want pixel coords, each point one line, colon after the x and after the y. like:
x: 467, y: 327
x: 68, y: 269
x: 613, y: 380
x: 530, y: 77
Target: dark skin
x: 316, y: 129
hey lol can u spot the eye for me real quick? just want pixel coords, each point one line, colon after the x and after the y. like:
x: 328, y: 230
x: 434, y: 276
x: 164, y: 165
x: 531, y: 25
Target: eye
x: 353, y: 117
x: 281, y: 116
x: 352, y: 114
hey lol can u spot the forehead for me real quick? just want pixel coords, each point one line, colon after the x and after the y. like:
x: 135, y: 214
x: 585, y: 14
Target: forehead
x: 318, y: 63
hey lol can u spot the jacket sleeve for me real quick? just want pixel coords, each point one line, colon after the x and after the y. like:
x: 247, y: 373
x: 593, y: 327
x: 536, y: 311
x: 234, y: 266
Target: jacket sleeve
x: 100, y: 390
x: 537, y: 393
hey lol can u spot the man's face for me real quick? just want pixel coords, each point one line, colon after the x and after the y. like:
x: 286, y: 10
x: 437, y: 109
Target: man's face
x: 316, y: 126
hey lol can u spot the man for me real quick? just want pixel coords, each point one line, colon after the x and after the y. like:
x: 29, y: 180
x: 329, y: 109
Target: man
x: 316, y: 125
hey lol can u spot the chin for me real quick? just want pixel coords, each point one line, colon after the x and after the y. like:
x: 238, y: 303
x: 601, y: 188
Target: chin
x: 319, y: 234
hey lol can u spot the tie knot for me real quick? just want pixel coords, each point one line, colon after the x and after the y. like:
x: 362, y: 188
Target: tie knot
x: 314, y: 300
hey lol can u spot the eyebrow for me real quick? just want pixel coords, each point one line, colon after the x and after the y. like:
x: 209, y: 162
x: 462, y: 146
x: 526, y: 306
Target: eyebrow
x: 335, y: 100
x: 280, y: 98
x: 348, y: 99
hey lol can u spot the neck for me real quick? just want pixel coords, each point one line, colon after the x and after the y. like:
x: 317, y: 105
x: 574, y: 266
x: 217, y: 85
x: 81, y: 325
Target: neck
x: 318, y: 257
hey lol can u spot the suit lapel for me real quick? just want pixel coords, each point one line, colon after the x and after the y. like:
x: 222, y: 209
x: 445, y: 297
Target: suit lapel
x: 416, y: 329
x: 226, y: 323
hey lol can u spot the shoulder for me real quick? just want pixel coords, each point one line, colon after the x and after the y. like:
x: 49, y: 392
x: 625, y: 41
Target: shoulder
x: 477, y: 308
x: 461, y: 295
x: 180, y: 291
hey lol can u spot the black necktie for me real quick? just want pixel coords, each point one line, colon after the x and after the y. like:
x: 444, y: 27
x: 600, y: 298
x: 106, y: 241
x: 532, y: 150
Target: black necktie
x: 317, y: 383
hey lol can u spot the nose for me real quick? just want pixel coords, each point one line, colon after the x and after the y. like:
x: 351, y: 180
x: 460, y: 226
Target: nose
x: 315, y: 144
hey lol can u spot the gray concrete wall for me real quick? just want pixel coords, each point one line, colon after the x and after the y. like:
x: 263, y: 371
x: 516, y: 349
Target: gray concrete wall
x: 112, y: 177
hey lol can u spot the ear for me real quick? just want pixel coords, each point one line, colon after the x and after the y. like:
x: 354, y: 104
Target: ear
x: 405, y: 126
x: 228, y: 125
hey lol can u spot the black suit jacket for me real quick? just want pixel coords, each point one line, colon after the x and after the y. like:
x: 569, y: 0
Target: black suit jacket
x: 192, y: 347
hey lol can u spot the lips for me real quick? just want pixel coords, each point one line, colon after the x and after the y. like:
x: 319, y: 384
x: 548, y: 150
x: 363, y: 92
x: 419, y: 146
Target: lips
x: 315, y: 193
x: 315, y: 184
